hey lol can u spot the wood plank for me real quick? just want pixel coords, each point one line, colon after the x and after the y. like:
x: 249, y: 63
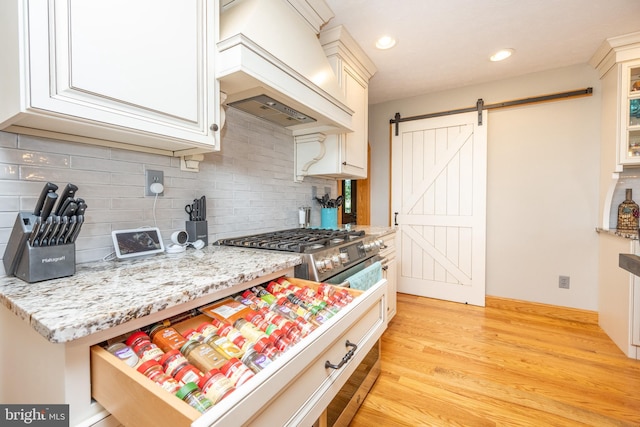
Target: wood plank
x: 510, y: 363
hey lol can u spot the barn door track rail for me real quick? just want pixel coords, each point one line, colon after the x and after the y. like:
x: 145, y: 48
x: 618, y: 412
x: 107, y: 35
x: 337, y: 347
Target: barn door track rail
x: 480, y: 105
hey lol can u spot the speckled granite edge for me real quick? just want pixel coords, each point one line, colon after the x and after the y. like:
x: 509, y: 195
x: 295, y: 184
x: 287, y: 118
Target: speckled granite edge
x: 102, y: 295
x: 629, y: 262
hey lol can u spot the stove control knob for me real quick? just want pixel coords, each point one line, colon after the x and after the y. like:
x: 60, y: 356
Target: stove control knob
x: 320, y: 265
x: 344, y: 257
x: 328, y: 265
x: 368, y: 247
x: 336, y: 260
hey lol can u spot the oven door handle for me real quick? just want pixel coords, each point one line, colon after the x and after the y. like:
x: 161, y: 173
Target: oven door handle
x: 345, y: 359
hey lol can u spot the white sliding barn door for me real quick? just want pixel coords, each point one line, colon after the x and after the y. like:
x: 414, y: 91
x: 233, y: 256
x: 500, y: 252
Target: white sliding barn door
x: 439, y: 179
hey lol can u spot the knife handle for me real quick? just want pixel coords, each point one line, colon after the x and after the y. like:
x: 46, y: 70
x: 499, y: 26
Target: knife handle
x: 76, y: 230
x: 68, y: 192
x: 49, y: 187
x: 35, y: 230
x: 49, y: 201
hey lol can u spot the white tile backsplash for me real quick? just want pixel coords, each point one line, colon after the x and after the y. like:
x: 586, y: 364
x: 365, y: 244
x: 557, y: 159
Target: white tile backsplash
x: 248, y: 184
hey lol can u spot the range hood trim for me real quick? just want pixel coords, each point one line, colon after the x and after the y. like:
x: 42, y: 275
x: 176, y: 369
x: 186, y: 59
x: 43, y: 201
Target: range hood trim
x: 288, y: 65
x: 246, y: 70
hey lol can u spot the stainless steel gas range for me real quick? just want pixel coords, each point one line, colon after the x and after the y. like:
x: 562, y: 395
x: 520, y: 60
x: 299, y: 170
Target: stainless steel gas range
x: 330, y: 256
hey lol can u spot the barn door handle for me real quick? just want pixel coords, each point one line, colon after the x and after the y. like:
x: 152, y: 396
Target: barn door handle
x: 345, y: 359
x: 395, y: 218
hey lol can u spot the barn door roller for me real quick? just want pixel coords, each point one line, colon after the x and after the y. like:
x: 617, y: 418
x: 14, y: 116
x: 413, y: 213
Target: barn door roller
x: 480, y: 106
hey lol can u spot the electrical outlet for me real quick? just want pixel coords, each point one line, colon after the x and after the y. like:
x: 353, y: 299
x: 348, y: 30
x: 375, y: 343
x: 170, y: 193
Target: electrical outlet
x: 152, y: 177
x: 564, y: 282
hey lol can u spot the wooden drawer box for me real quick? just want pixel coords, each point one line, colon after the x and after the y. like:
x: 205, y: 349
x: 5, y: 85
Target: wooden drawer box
x: 292, y: 390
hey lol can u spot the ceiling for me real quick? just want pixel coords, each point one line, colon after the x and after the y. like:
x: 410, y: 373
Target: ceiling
x: 444, y: 44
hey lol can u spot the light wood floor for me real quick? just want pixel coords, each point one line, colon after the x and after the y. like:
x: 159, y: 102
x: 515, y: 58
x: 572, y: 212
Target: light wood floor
x: 509, y: 364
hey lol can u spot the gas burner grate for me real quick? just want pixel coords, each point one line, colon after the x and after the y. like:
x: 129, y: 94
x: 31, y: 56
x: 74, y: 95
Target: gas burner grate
x: 295, y: 240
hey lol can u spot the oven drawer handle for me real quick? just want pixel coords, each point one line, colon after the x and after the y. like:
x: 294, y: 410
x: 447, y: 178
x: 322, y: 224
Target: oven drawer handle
x: 345, y: 359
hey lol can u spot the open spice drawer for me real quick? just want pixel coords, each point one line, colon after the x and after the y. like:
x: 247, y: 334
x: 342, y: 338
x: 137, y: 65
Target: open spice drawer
x: 292, y: 390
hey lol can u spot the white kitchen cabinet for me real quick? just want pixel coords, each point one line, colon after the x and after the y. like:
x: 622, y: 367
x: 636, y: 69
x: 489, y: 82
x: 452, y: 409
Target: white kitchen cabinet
x: 293, y: 390
x: 342, y: 156
x: 130, y: 74
x: 635, y: 310
x: 629, y: 143
x: 390, y: 272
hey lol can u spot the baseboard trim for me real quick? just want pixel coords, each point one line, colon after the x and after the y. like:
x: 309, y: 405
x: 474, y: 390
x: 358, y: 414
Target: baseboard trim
x: 555, y: 311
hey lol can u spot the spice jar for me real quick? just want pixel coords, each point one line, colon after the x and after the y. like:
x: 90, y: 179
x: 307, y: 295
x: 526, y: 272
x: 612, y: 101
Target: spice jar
x: 224, y: 346
x: 237, y: 372
x: 192, y: 334
x: 192, y: 394
x: 249, y: 330
x: 216, y: 386
x: 255, y: 361
x: 188, y: 374
x: 124, y: 353
x: 266, y: 347
x: 202, y: 356
x: 207, y: 329
x: 141, y: 344
x: 166, y: 338
x: 172, y: 361
x: 153, y: 370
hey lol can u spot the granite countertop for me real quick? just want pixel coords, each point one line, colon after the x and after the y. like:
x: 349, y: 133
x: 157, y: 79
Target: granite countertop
x: 630, y: 262
x: 105, y: 294
x: 374, y: 230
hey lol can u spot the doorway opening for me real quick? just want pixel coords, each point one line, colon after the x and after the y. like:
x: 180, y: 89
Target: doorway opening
x: 349, y: 201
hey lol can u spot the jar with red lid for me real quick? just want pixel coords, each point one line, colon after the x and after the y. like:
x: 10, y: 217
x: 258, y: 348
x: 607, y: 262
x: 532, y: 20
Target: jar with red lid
x: 192, y: 334
x: 188, y: 374
x: 191, y: 393
x: 237, y: 372
x: 153, y: 370
x: 166, y: 338
x: 266, y: 347
x: 215, y: 385
x: 255, y: 301
x: 304, y: 327
x: 249, y: 330
x: 279, y: 340
x: 206, y: 329
x: 203, y: 356
x: 172, y: 361
x: 141, y: 344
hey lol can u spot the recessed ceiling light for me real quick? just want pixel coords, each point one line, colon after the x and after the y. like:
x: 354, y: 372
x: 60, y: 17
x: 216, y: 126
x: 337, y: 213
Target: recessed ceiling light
x: 501, y: 54
x: 385, y: 42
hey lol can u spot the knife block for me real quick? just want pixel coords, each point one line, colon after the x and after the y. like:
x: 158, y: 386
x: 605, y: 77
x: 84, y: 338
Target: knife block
x: 35, y: 264
x: 197, y: 230
x: 17, y: 241
x: 46, y: 262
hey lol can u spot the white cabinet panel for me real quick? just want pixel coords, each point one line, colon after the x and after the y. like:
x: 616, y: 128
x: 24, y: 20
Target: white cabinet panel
x: 135, y: 72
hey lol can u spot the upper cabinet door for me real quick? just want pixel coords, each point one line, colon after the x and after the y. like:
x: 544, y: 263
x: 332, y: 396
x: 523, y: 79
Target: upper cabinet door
x: 142, y: 67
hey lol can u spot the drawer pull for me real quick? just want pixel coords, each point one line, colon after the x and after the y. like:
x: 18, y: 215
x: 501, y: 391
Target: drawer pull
x: 345, y: 359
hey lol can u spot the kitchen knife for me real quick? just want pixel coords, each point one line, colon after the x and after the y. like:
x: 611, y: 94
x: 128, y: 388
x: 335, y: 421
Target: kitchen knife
x: 44, y: 225
x: 82, y: 206
x: 203, y: 208
x: 48, y: 239
x: 58, y: 238
x: 73, y: 221
x: 46, y: 229
x: 76, y: 230
x: 68, y: 192
x: 69, y: 212
x: 49, y: 187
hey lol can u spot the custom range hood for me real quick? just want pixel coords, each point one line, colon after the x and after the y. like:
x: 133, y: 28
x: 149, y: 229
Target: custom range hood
x: 271, y: 64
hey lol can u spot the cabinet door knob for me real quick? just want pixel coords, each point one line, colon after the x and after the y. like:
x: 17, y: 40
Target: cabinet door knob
x: 214, y: 127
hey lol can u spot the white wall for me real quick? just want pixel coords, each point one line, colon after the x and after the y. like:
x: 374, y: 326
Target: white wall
x: 542, y: 198
x: 249, y: 185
